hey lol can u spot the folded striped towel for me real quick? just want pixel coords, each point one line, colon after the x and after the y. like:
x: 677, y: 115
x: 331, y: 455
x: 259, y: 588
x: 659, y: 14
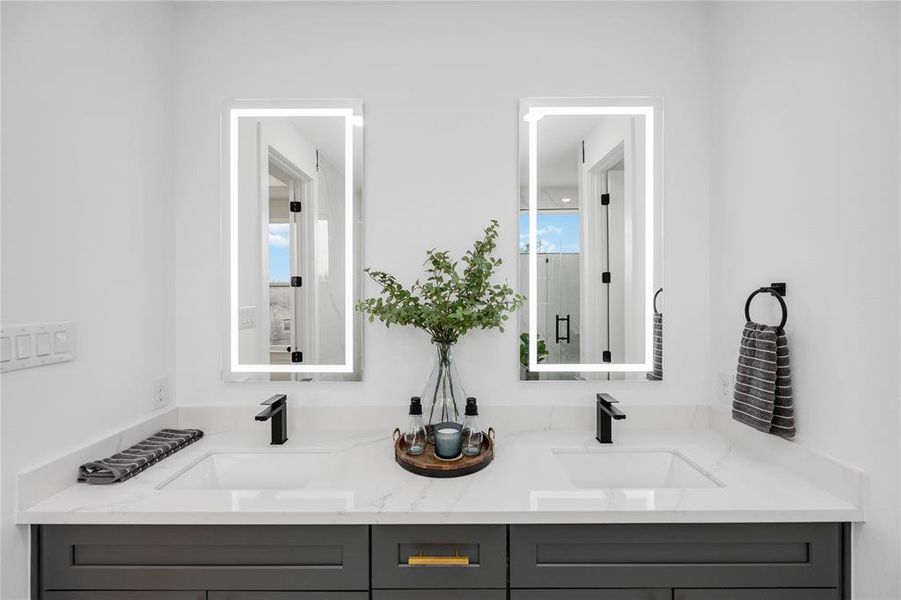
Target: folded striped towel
x: 130, y: 462
x: 763, y: 387
x: 657, y: 373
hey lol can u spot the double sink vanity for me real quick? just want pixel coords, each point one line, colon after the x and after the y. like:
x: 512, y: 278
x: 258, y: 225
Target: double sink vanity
x: 678, y: 503
x: 662, y: 513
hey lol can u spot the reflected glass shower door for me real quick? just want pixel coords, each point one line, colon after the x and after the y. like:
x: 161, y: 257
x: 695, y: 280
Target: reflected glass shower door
x: 558, y: 300
x: 558, y: 314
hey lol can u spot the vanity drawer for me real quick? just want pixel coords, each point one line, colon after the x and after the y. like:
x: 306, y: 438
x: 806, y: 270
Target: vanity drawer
x: 120, y: 595
x: 440, y: 594
x: 621, y: 594
x: 761, y: 594
x: 485, y: 547
x: 676, y: 555
x: 288, y: 596
x: 174, y: 557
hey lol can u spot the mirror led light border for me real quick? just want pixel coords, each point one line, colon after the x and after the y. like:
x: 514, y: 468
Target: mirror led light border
x: 350, y: 121
x: 532, y: 117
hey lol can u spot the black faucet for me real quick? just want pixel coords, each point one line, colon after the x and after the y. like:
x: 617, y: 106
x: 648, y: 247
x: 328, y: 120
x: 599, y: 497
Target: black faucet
x: 277, y: 411
x: 606, y: 413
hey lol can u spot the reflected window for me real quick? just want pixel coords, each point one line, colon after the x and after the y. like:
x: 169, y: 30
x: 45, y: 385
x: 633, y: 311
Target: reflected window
x: 279, y: 252
x: 280, y: 309
x: 558, y: 232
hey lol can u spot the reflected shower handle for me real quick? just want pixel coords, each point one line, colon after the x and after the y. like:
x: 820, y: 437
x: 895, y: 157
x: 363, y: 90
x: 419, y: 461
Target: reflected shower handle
x: 557, y: 335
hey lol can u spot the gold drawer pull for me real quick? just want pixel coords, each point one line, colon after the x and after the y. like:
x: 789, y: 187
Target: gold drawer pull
x: 444, y: 561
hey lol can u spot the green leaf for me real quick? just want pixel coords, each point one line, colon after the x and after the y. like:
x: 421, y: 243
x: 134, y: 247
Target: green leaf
x: 449, y: 303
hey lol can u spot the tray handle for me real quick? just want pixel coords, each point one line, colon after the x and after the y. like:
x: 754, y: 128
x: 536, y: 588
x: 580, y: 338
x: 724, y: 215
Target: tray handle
x: 396, y: 435
x: 491, y: 434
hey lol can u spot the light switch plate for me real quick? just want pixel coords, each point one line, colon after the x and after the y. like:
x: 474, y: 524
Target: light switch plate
x: 24, y: 343
x: 60, y: 341
x: 37, y: 345
x: 42, y: 343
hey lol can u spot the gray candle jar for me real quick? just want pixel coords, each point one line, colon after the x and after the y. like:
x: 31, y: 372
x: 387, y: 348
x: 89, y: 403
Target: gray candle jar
x: 448, y: 440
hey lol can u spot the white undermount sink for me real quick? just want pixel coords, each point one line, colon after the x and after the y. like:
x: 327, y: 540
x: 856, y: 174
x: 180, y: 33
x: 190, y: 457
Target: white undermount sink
x: 250, y: 471
x: 631, y: 469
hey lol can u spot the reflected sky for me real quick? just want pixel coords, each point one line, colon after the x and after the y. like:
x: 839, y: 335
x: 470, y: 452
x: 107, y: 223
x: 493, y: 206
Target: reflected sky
x: 558, y: 232
x: 279, y: 252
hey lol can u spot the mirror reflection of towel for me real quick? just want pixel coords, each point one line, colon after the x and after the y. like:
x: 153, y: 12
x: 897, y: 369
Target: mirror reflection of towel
x: 763, y: 387
x: 657, y: 373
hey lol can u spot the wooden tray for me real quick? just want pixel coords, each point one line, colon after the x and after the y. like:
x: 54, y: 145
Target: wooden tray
x: 428, y: 465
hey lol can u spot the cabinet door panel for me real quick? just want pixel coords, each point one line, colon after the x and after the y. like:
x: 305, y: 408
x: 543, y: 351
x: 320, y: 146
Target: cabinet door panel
x: 803, y: 555
x: 623, y: 594
x: 758, y: 594
x: 288, y: 596
x: 188, y: 557
x: 121, y: 595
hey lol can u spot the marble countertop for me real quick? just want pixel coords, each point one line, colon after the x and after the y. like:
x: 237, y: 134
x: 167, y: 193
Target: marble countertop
x: 359, y: 483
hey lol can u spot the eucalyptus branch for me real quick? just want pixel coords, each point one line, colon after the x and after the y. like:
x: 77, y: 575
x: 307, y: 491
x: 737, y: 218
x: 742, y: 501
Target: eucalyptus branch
x: 448, y: 303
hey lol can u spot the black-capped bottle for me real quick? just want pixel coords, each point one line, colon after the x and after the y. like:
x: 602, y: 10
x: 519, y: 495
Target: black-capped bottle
x: 472, y: 432
x: 414, y: 436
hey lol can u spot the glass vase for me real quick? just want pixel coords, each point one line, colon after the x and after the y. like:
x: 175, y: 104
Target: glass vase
x: 443, y: 393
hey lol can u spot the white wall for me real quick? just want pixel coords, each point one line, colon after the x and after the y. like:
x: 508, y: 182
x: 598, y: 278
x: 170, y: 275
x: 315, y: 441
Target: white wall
x: 441, y: 85
x: 86, y: 226
x: 805, y: 191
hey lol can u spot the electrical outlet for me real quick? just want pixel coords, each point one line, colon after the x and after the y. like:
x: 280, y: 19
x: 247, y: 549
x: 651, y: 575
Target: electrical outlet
x: 159, y: 393
x: 247, y: 317
x: 727, y: 385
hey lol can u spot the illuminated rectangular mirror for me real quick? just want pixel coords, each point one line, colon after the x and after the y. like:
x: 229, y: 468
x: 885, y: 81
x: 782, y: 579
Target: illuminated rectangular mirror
x: 590, y: 239
x: 294, y: 177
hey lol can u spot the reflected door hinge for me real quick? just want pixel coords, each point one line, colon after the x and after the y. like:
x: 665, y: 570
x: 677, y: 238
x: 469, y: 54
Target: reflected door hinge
x: 317, y: 160
x: 605, y: 277
x: 297, y: 357
x: 605, y: 199
x: 607, y: 356
x: 583, y: 152
x: 295, y: 206
x: 296, y: 281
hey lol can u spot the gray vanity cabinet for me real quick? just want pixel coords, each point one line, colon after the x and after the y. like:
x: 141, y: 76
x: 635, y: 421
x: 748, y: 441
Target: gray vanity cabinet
x: 760, y: 561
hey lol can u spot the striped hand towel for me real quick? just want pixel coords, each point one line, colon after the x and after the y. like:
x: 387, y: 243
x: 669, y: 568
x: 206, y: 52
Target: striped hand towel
x: 130, y: 462
x: 657, y: 373
x: 763, y: 387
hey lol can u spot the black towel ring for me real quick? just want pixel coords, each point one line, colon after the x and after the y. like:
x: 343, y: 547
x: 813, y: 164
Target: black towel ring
x: 772, y: 290
x: 657, y: 293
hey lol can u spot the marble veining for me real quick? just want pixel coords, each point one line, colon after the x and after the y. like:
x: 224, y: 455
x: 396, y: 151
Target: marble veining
x: 359, y: 482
